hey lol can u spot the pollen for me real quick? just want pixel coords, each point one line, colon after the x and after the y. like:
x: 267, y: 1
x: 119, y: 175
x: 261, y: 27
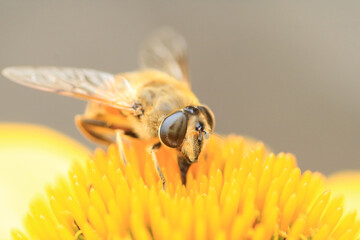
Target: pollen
x: 237, y: 190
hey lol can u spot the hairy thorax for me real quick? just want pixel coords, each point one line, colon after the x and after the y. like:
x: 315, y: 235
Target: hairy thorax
x: 158, y: 96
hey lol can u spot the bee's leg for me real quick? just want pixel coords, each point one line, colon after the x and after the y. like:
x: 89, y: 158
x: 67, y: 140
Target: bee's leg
x: 94, y: 129
x: 184, y: 167
x: 120, y: 145
x: 156, y: 164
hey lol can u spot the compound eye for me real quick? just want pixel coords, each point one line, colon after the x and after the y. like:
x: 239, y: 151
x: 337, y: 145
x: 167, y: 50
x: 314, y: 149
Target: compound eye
x: 208, y: 115
x: 173, y: 129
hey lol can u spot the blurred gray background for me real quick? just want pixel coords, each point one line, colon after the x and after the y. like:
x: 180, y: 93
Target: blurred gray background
x: 284, y: 72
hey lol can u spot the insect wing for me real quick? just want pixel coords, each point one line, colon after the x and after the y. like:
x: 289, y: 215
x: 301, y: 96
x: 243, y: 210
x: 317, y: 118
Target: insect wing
x: 80, y: 83
x: 166, y: 51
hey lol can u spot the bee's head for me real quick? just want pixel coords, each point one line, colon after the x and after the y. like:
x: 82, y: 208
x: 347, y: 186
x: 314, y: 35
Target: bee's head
x: 187, y: 130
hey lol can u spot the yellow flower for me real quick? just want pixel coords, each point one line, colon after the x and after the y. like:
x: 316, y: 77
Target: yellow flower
x: 30, y: 156
x: 236, y: 191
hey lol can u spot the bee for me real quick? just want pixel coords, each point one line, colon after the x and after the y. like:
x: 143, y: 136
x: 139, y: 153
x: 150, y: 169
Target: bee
x: 155, y: 102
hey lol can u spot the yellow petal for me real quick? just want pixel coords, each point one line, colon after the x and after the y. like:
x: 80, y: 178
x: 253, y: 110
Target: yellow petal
x: 30, y: 156
x: 346, y: 183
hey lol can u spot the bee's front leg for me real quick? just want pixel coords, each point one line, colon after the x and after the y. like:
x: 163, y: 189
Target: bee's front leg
x: 156, y: 164
x: 184, y: 167
x: 120, y: 145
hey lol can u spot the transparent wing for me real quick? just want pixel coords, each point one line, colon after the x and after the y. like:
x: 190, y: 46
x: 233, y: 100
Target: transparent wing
x: 80, y: 83
x: 166, y: 51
